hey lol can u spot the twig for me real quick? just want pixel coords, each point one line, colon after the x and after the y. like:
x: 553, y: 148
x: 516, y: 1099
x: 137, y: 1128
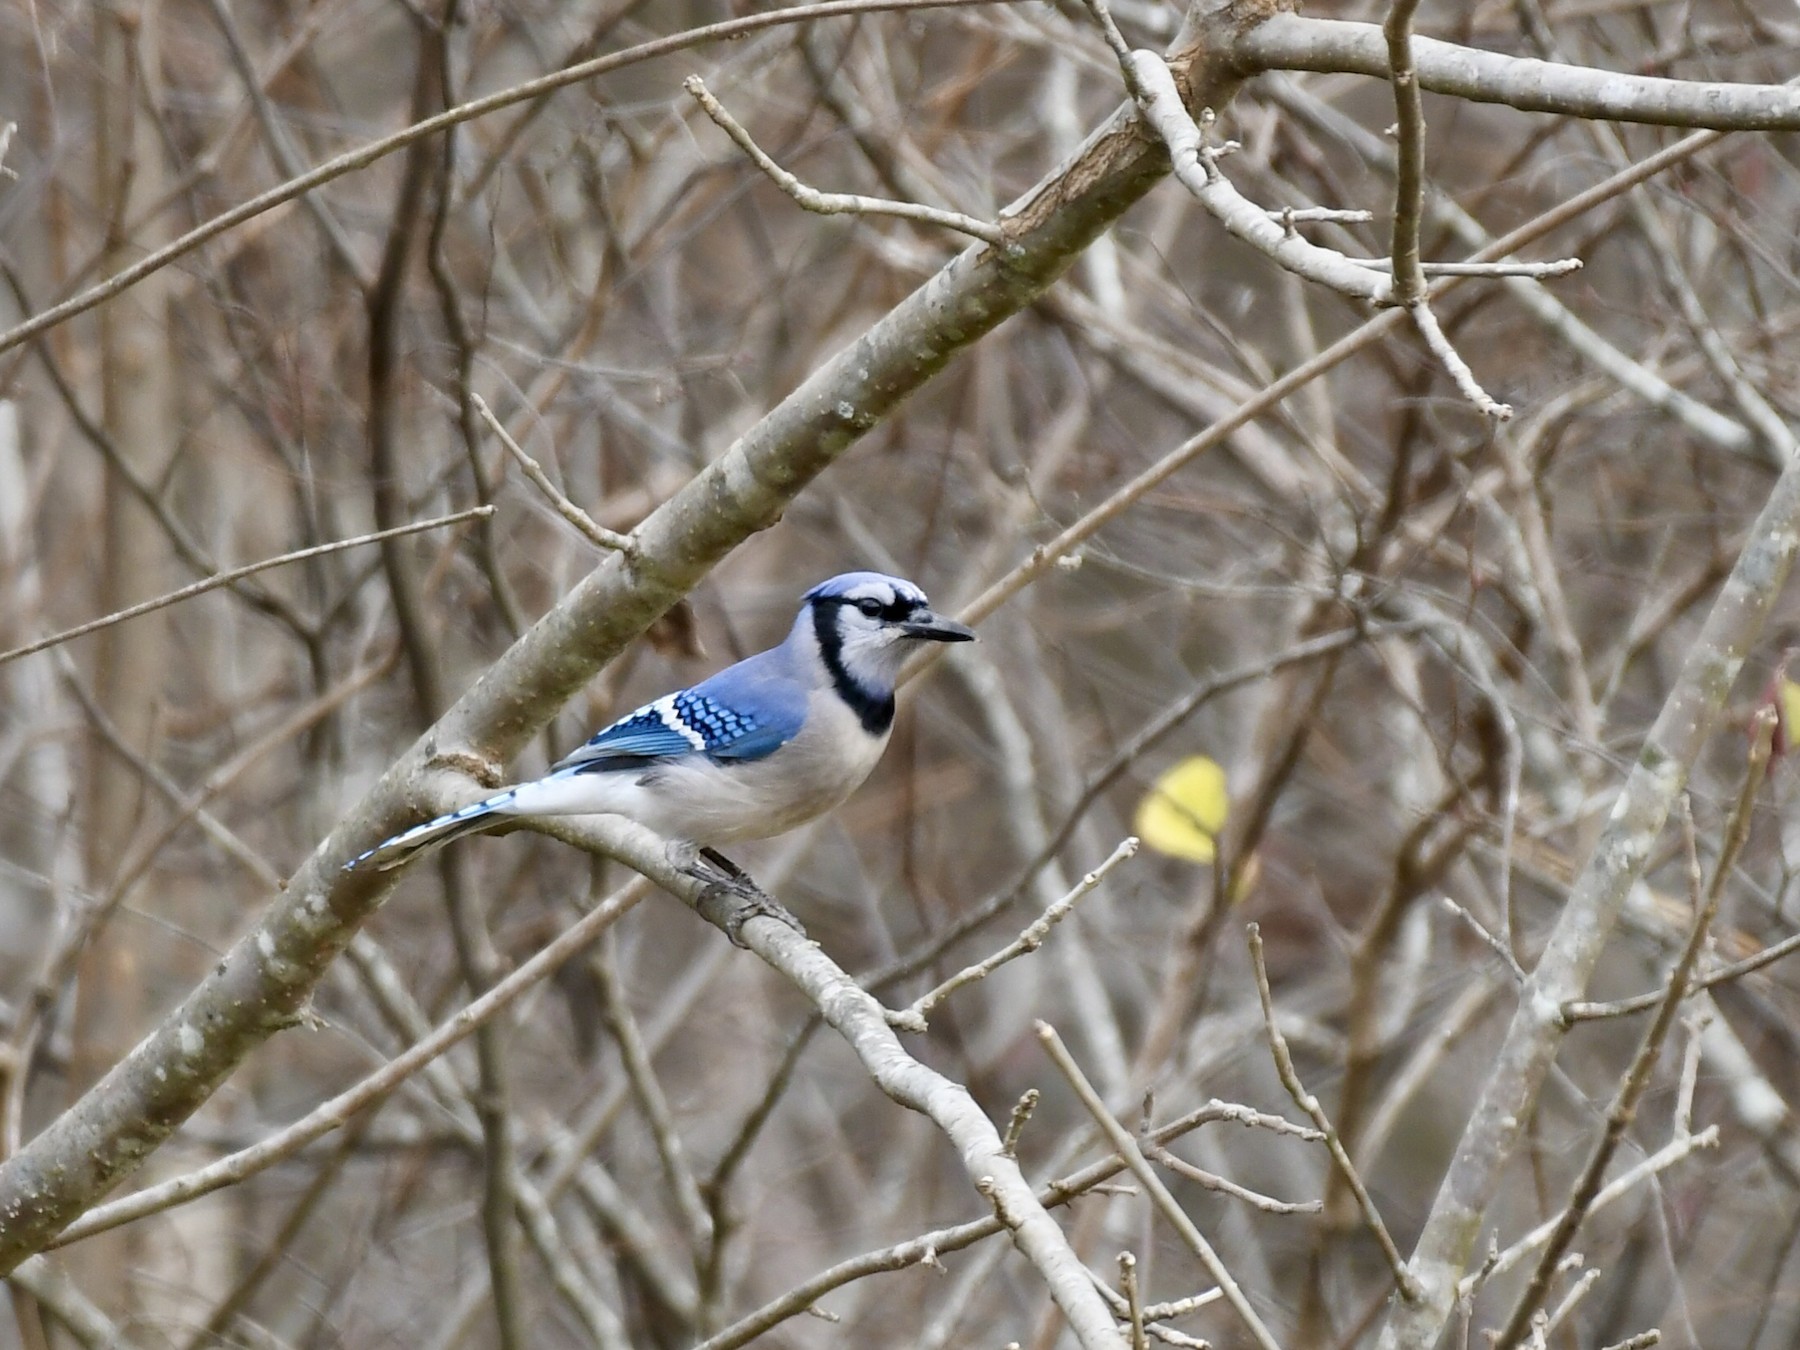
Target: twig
x: 913, y: 1017
x: 1120, y: 48
x: 1451, y: 360
x: 1153, y: 1313
x: 1194, y: 163
x: 236, y: 574
x: 1491, y: 939
x: 1127, y: 1148
x: 1633, y: 375
x: 1213, y: 1182
x: 836, y: 203
x: 1015, y: 1124
x: 591, y: 530
x: 1159, y: 101
x: 1288, y: 216
x: 1046, y: 555
x: 1181, y: 1307
x: 1284, y: 1065
x: 1409, y: 178
x: 1134, y: 1305
x: 6, y: 134
x: 916, y: 1251
x: 1583, y: 1011
x: 1689, y: 1080
x: 1665, y: 1157
x: 1249, y: 1117
x: 652, y: 1101
x: 63, y: 1299
x: 1180, y: 1340
x: 1637, y: 1078
x: 1577, y: 1292
x: 1560, y: 267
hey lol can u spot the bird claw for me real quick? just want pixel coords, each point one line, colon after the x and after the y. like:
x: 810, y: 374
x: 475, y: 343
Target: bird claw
x: 730, y: 898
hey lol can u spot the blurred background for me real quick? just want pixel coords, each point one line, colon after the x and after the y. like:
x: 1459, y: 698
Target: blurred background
x: 1423, y: 650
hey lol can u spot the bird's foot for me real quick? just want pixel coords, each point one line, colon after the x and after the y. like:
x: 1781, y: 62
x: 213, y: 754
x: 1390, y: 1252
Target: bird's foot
x: 730, y: 897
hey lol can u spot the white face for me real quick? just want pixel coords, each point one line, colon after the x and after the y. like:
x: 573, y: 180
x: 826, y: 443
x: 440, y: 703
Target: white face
x: 868, y: 620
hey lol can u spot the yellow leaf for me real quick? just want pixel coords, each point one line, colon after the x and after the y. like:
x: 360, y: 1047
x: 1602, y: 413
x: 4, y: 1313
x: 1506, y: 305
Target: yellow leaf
x: 1183, y: 813
x: 1790, y: 713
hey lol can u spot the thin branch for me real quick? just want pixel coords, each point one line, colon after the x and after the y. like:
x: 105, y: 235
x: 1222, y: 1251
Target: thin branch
x: 1294, y: 42
x: 237, y: 574
x: 1661, y: 1160
x: 1284, y: 1066
x: 1016, y: 1122
x: 1581, y: 1011
x: 1490, y: 939
x: 1134, y: 1305
x: 591, y: 530
x: 652, y: 1102
x: 1409, y: 180
x: 1127, y: 1148
x: 1560, y: 267
x: 860, y: 1019
x: 1637, y: 1078
x: 330, y: 1115
x: 927, y: 1247
x: 1578, y: 1291
x: 1289, y: 216
x: 1195, y: 165
x: 1225, y: 1186
x: 1451, y: 360
x: 1633, y: 375
x: 62, y: 1299
x: 377, y: 150
x: 1688, y: 1082
x: 836, y: 203
x: 914, y: 1017
x: 1586, y: 919
x: 1046, y: 555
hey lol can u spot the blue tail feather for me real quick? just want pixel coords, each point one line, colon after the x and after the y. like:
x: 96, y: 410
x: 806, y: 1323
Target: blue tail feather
x: 402, y: 847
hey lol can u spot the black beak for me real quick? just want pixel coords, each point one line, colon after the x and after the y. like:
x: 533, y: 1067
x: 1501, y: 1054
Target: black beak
x: 930, y: 627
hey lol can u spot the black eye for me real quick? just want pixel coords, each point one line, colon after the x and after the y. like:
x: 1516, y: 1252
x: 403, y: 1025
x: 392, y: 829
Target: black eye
x: 869, y: 607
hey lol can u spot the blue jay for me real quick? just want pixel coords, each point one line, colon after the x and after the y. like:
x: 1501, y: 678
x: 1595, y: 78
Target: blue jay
x: 763, y: 746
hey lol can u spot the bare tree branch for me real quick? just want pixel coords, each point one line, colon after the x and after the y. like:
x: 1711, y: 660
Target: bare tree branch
x: 1293, y: 42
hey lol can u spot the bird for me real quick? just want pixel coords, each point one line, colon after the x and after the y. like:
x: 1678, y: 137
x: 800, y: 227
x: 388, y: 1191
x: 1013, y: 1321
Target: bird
x: 759, y: 748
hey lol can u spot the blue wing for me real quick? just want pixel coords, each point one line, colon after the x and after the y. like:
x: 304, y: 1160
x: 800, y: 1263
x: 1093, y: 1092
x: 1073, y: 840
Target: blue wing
x: 742, y: 713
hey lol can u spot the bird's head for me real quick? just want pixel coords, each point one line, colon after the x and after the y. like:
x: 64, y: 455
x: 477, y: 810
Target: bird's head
x: 868, y: 625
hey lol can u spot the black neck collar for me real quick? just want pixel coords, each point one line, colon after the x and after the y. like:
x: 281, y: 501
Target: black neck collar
x: 874, y: 710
